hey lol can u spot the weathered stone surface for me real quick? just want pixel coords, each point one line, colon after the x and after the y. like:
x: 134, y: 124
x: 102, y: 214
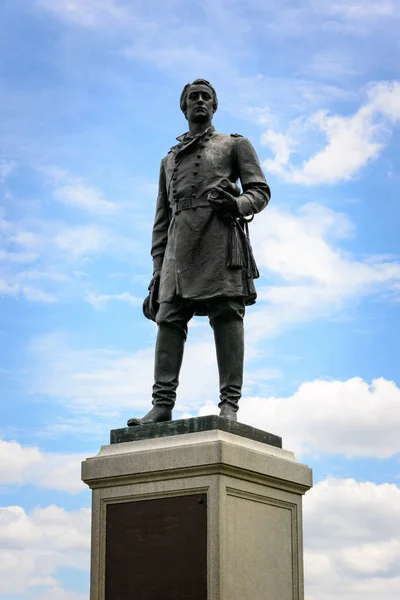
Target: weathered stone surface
x: 198, y: 424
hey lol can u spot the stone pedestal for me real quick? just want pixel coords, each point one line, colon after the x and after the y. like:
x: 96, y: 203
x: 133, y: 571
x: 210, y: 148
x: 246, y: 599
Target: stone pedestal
x: 198, y: 509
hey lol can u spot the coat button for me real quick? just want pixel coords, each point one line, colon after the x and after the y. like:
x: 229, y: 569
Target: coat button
x: 195, y: 172
x: 194, y: 196
x: 198, y: 156
x: 196, y: 164
x: 193, y: 186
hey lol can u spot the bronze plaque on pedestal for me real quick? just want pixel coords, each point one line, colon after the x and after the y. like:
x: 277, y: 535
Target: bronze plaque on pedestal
x: 157, y: 549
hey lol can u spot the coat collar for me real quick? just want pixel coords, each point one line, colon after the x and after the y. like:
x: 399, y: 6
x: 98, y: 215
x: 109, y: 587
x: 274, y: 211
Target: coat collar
x: 187, y: 137
x: 185, y: 140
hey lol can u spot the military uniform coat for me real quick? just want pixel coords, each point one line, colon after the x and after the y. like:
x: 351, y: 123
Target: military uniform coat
x: 190, y: 244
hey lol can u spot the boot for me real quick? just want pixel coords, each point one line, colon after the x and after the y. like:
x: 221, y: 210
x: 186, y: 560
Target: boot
x: 167, y: 365
x: 229, y: 344
x: 157, y: 414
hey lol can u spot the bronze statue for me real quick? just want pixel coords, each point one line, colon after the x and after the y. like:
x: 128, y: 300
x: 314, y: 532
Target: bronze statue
x: 202, y: 259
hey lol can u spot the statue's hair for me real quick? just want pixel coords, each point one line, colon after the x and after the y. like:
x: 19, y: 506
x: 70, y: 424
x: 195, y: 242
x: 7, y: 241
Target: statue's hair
x: 185, y: 91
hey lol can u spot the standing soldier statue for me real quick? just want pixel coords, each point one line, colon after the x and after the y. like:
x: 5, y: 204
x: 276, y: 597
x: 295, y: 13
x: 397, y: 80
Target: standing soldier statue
x: 202, y: 259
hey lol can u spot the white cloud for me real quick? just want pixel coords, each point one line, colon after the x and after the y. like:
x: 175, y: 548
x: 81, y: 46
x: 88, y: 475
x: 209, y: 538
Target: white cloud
x: 84, y: 197
x: 15, y: 460
x: 321, y: 417
x: 8, y: 290
x: 362, y: 10
x: 295, y: 246
x: 36, y: 275
x: 317, y: 279
x: 25, y: 465
x: 316, y: 276
x: 302, y: 246
x: 35, y: 295
x: 352, y: 548
x: 351, y: 141
x: 58, y: 249
x: 188, y: 57
x: 73, y: 191
x: 6, y: 168
x: 351, y: 418
x: 81, y: 240
x: 17, y: 257
x: 87, y: 13
x: 351, y: 544
x: 282, y: 146
x: 99, y: 301
x: 33, y: 546
x: 353, y: 18
x: 106, y: 383
x: 17, y: 291
x: 385, y: 98
x: 57, y: 593
x: 332, y: 65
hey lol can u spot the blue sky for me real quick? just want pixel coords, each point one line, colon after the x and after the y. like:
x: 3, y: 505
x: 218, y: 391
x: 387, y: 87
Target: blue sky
x: 89, y: 104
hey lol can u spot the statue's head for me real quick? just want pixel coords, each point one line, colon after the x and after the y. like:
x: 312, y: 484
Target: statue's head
x: 199, y: 101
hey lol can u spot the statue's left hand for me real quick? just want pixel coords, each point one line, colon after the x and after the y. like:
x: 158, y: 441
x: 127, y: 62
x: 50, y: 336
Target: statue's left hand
x: 154, y: 280
x: 225, y: 203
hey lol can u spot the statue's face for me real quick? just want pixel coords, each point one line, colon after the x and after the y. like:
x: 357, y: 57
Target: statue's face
x: 199, y: 102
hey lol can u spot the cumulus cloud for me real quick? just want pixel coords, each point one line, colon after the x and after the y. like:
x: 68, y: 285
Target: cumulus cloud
x: 316, y: 276
x: 352, y: 141
x: 81, y: 240
x: 353, y: 418
x: 352, y: 548
x: 368, y: 9
x: 356, y: 18
x: 40, y: 256
x: 35, y: 295
x: 74, y: 192
x: 35, y: 257
x: 16, y: 290
x: 17, y: 257
x: 69, y: 244
x: 58, y: 593
x: 321, y: 417
x: 351, y: 532
x: 313, y: 277
x: 6, y: 168
x: 27, y: 465
x: 107, y: 383
x: 33, y: 546
x: 86, y: 13
x: 83, y: 197
x: 7, y: 289
x: 100, y: 301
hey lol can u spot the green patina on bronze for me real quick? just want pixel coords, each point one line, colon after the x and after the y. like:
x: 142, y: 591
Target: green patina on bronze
x: 198, y: 424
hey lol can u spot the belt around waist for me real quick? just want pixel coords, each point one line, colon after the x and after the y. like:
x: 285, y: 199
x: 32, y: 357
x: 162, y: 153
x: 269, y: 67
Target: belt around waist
x: 185, y: 203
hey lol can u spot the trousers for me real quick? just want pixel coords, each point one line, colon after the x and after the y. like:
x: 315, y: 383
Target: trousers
x: 226, y: 319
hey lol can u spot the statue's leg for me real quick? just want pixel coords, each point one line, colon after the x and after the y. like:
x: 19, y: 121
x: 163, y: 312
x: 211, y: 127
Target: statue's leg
x: 172, y: 319
x: 226, y: 319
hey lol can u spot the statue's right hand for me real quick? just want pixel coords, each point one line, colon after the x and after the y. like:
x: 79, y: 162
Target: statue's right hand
x: 154, y: 280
